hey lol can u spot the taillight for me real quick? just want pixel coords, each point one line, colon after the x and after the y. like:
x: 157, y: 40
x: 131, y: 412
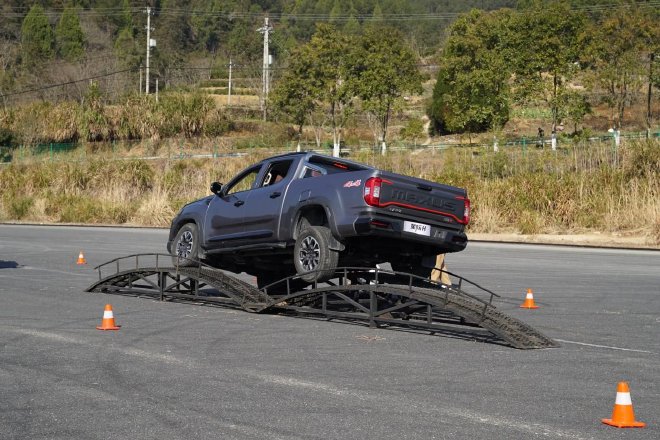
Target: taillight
x: 466, y: 210
x: 372, y: 191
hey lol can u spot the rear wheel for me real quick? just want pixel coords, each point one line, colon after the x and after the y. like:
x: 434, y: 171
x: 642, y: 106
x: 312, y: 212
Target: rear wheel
x: 312, y: 254
x: 185, y: 250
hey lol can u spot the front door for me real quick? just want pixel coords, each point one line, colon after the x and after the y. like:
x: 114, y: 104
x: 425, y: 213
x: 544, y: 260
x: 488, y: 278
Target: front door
x: 262, y: 211
x: 223, y: 226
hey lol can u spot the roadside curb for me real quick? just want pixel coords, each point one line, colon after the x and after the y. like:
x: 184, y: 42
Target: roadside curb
x: 580, y: 240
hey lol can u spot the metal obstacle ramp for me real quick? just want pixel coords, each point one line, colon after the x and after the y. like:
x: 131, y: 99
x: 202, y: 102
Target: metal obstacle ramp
x: 373, y: 296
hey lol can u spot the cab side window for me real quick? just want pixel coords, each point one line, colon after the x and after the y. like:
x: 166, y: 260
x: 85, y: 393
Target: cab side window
x: 245, y: 182
x: 311, y: 172
x: 277, y: 171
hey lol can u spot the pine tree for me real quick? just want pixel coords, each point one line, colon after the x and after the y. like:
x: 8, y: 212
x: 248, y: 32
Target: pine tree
x: 127, y: 50
x: 69, y: 36
x: 37, y: 41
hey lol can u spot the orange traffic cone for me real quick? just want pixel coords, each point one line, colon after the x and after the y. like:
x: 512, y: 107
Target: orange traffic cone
x: 529, y: 301
x: 81, y: 259
x: 623, y: 415
x: 108, y: 322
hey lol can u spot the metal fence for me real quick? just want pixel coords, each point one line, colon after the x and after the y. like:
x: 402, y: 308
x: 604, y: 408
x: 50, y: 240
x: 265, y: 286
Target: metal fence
x: 69, y: 152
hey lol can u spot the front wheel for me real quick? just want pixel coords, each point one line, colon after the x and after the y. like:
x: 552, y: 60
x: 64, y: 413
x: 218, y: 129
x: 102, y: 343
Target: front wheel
x: 185, y: 249
x: 312, y: 256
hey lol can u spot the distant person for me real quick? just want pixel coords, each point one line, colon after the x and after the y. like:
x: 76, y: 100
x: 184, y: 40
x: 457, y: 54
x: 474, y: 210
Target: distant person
x: 541, y: 136
x: 438, y: 274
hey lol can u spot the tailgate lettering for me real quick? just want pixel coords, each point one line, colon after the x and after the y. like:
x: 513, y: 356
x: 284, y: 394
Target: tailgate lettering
x: 422, y: 200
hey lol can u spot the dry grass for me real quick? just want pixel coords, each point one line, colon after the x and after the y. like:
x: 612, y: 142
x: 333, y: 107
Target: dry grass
x: 582, y: 189
x: 251, y: 101
x: 635, y: 204
x: 155, y: 210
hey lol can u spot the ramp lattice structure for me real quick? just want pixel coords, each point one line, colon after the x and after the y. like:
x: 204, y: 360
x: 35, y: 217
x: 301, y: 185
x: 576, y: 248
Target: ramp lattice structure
x: 375, y: 297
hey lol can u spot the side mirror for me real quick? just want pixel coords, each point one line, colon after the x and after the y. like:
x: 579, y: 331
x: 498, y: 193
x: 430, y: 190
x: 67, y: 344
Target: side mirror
x: 216, y: 188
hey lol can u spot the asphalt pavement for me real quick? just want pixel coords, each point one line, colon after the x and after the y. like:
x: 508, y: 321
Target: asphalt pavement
x: 178, y: 370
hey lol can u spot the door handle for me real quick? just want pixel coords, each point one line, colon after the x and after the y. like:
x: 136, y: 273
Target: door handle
x: 239, y: 203
x: 275, y: 194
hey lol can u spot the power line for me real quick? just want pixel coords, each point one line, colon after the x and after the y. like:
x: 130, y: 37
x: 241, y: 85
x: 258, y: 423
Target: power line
x: 395, y: 17
x: 84, y: 59
x: 51, y: 86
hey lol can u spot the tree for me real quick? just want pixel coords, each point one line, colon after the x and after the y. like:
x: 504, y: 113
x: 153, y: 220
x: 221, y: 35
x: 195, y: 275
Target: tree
x: 413, y: 130
x: 127, y: 49
x: 172, y: 30
x: 208, y: 23
x: 616, y: 49
x: 376, y: 19
x: 37, y: 41
x: 544, y: 51
x: 8, y: 55
x: 651, y: 43
x: 69, y: 36
x: 329, y: 53
x: 298, y: 93
x: 472, y: 92
x: 93, y: 121
x: 382, y: 68
x: 352, y: 25
x: 573, y: 106
x: 319, y: 77
x: 335, y: 13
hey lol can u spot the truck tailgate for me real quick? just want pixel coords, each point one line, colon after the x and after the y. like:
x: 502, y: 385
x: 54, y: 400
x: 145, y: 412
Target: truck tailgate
x: 420, y: 199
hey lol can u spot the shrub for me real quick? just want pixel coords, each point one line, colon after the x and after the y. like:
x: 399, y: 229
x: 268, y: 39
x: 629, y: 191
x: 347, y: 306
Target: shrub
x: 530, y: 222
x: 641, y: 158
x: 75, y: 209
x: 6, y: 136
x: 185, y: 113
x: 19, y: 207
x: 217, y: 123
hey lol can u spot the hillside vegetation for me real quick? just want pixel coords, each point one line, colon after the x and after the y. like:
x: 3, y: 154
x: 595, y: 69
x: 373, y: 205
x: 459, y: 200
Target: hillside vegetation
x: 374, y: 74
x: 577, y: 189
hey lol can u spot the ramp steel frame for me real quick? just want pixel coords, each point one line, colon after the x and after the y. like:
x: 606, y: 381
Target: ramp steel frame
x: 373, y: 296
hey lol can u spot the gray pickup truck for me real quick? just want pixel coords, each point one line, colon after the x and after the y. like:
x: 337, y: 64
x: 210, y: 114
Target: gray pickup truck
x: 307, y: 213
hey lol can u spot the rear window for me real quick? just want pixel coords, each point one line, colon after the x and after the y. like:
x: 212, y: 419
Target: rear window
x: 331, y: 166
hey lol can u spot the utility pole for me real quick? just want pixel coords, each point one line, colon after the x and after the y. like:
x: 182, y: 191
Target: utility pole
x: 265, y: 30
x: 146, y: 88
x: 229, y: 89
x: 649, y: 108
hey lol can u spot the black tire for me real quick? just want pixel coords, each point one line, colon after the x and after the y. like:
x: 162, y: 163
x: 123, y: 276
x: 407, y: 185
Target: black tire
x: 185, y: 246
x: 312, y: 253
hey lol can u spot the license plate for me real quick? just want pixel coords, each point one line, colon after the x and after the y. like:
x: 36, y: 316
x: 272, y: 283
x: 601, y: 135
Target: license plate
x: 417, y: 228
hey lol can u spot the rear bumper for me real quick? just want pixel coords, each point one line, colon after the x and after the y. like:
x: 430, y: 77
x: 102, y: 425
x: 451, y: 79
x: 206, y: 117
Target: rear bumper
x: 443, y: 239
